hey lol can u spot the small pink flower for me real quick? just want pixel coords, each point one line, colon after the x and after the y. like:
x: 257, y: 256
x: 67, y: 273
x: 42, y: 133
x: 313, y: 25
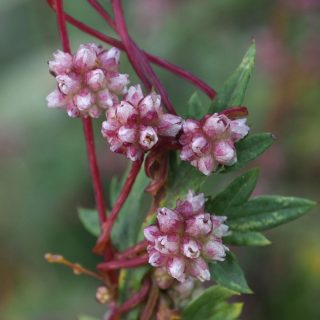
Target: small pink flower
x: 137, y: 124
x: 88, y: 82
x: 184, y: 239
x: 61, y: 63
x: 209, y: 142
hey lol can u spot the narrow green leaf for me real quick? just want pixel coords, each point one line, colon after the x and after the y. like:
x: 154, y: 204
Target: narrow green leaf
x: 203, y: 306
x: 127, y: 226
x: 196, y: 109
x: 90, y: 220
x: 250, y: 148
x: 248, y: 238
x: 233, y: 91
x: 265, y: 212
x: 237, y: 192
x: 229, y: 274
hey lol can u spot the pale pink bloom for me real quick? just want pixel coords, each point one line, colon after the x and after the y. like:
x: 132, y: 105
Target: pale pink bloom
x: 208, y: 142
x: 184, y: 239
x: 88, y: 82
x: 85, y: 58
x: 55, y: 99
x: 137, y: 124
x: 61, y: 63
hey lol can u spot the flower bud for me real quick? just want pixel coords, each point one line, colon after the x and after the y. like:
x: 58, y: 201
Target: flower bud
x: 169, y: 221
x: 96, y: 79
x: 104, y: 99
x: 239, y: 129
x: 214, y: 250
x: 126, y: 113
x: 169, y: 125
x: 94, y: 112
x: 72, y: 110
x: 190, y: 248
x: 224, y: 152
x: 55, y: 99
x: 167, y: 244
x: 109, y: 59
x: 134, y: 153
x: 151, y: 233
x: 199, y: 269
x: 103, y: 295
x: 199, y: 145
x: 84, y: 99
x: 216, y: 125
x: 85, y: 57
x: 62, y: 62
x: 206, y: 164
x: 149, y: 107
x: 176, y: 267
x: 118, y: 82
x: 134, y: 95
x: 127, y: 134
x: 68, y: 84
x: 199, y: 225
x: 148, y: 137
x: 156, y: 259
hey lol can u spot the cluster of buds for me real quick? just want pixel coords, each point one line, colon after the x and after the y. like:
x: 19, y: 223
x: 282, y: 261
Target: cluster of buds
x: 136, y: 124
x: 208, y: 142
x: 88, y: 82
x: 184, y: 239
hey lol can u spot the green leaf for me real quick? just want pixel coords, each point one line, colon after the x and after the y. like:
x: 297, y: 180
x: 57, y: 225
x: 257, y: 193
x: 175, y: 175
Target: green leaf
x: 211, y: 300
x: 248, y: 238
x: 250, y: 148
x: 229, y: 274
x: 265, y: 212
x: 233, y: 91
x: 237, y: 192
x: 90, y: 220
x: 127, y: 226
x: 196, y: 109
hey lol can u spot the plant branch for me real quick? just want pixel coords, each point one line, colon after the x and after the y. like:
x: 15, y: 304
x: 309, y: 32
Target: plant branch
x: 107, y: 226
x: 132, y: 302
x: 153, y: 297
x: 126, y: 264
x: 136, y: 56
x: 94, y: 169
x: 211, y: 93
x: 134, y: 250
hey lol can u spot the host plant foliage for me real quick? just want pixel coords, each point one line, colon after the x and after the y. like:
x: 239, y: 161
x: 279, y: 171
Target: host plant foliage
x: 157, y: 254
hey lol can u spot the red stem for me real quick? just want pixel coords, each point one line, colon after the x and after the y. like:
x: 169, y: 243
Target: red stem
x: 138, y: 248
x: 62, y: 26
x: 132, y: 302
x: 137, y: 57
x: 127, y: 264
x: 94, y: 169
x: 211, y: 93
x: 107, y: 226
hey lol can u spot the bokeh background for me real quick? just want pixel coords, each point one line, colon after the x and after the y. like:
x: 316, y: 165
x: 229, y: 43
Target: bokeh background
x: 44, y: 173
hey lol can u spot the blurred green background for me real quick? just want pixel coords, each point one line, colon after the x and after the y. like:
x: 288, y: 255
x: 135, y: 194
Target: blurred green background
x: 44, y: 173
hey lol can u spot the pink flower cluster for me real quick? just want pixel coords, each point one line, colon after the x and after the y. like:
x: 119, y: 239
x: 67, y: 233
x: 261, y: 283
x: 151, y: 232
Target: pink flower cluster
x: 136, y: 124
x: 208, y: 142
x: 184, y: 239
x: 88, y: 82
